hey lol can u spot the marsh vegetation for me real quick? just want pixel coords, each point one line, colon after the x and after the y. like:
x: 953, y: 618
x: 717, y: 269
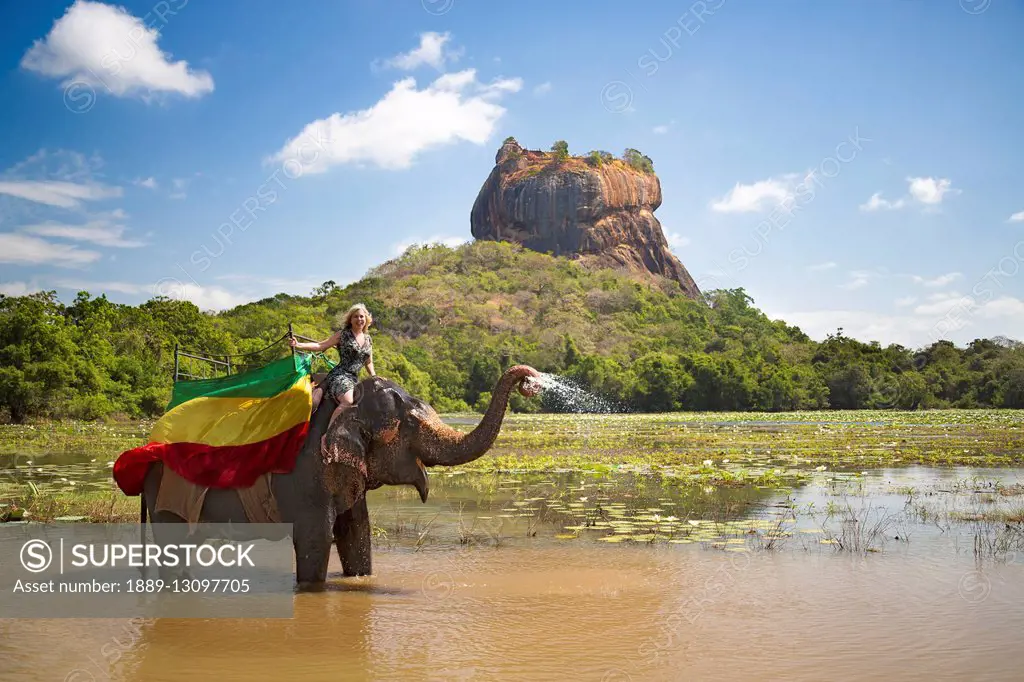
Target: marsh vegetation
x: 862, y: 482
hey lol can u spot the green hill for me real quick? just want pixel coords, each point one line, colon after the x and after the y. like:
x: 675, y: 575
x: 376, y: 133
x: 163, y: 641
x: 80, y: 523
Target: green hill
x: 447, y: 321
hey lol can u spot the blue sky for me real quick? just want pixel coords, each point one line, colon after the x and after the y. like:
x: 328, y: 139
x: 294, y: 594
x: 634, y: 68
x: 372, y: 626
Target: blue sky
x: 849, y: 164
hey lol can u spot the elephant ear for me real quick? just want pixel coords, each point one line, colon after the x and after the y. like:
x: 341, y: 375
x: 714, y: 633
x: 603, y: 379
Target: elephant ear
x: 345, y: 459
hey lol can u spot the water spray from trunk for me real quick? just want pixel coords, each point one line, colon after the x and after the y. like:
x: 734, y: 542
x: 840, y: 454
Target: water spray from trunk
x: 562, y: 394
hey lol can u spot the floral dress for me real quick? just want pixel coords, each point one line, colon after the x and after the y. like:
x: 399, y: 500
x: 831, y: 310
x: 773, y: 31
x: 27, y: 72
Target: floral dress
x: 344, y: 377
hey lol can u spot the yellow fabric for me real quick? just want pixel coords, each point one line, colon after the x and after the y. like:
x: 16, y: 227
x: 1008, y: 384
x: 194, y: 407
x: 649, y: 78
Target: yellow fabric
x: 235, y: 421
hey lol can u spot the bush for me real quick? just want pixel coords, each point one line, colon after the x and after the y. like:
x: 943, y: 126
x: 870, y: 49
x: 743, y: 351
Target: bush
x: 638, y: 161
x: 561, y: 150
x: 483, y: 402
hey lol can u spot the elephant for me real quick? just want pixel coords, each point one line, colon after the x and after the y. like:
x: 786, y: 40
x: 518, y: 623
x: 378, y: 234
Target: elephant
x: 387, y: 437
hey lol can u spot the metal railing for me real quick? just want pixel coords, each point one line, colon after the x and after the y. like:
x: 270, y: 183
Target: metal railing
x: 219, y: 362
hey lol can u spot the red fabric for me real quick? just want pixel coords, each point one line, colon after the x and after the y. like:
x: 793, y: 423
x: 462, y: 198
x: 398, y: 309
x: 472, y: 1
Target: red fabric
x: 229, y: 466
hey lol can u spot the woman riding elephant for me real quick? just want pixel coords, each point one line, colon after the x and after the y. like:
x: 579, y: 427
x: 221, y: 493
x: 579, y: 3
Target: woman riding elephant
x: 355, y: 350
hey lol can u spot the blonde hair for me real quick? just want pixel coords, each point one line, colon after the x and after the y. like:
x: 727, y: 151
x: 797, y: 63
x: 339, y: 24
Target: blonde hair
x: 346, y: 322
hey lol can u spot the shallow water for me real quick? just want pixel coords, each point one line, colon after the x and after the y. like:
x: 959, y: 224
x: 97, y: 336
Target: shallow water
x: 555, y: 612
x: 485, y: 583
x: 853, y: 573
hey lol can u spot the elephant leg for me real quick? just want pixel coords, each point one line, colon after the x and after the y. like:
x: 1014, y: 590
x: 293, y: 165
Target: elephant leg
x: 311, y: 539
x: 166, y: 526
x: 352, y: 538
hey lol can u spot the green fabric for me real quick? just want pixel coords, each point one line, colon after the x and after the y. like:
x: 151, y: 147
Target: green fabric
x: 264, y: 382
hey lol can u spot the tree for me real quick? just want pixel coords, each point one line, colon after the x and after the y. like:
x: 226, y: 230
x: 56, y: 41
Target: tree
x: 639, y: 161
x: 661, y: 383
x: 561, y: 150
x: 40, y: 365
x: 325, y: 289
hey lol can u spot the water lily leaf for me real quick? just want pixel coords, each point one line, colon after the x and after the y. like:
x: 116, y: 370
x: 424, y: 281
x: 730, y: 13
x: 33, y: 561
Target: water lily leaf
x: 70, y: 518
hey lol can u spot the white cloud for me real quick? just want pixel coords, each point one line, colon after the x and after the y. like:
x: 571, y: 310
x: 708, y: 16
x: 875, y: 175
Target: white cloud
x: 277, y: 284
x: 858, y: 280
x: 861, y: 278
x: 1017, y: 217
x: 104, y: 46
x: 57, y: 193
x: 820, y: 267
x: 98, y: 232
x: 905, y: 301
x: 432, y: 51
x: 97, y: 288
x: 23, y: 249
x: 451, y: 242
x: 758, y: 196
x: 17, y: 288
x: 876, y: 202
x: 405, y: 123
x: 660, y: 129
x: 542, y: 89
x: 927, y: 191
x: 1002, y: 307
x: 940, y: 281
x: 930, y: 190
x: 676, y: 240
x: 206, y: 298
x: 148, y: 183
x: 180, y: 185
x: 958, y: 319
x: 940, y: 304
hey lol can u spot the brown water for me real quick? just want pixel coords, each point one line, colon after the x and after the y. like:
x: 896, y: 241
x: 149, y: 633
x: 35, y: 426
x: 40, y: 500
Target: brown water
x: 587, y: 612
x: 524, y: 600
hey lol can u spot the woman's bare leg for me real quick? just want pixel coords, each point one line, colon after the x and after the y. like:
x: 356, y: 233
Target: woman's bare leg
x: 344, y: 402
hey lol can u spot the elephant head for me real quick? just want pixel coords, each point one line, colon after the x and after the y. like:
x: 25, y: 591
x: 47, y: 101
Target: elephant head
x: 389, y: 437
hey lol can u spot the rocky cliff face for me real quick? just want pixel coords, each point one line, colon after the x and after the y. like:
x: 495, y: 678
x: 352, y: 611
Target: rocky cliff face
x: 601, y: 213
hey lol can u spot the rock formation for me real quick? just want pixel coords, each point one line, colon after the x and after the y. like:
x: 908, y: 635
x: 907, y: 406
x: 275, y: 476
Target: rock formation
x: 598, y: 209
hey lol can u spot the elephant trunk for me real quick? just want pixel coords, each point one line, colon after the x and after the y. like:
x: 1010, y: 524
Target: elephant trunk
x: 444, y: 446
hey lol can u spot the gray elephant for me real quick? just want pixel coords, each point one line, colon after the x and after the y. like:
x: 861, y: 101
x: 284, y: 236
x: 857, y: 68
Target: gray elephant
x: 388, y: 437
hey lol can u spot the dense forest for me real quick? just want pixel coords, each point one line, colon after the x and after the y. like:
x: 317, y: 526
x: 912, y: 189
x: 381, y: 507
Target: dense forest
x: 448, y: 321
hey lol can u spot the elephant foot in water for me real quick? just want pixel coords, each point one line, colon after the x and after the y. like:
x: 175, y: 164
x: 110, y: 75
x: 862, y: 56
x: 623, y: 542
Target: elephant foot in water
x: 352, y: 538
